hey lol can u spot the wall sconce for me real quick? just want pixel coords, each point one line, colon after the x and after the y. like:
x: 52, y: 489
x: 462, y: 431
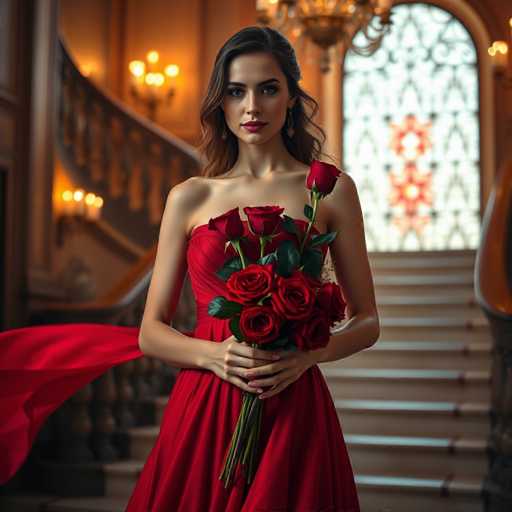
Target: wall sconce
x: 150, y: 84
x: 76, y: 208
x: 501, y: 60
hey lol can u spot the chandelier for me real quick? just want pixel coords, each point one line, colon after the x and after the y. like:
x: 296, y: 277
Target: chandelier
x: 329, y: 23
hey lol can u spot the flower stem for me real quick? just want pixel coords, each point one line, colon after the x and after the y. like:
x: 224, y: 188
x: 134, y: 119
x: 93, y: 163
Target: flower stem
x: 238, y: 249
x: 310, y: 223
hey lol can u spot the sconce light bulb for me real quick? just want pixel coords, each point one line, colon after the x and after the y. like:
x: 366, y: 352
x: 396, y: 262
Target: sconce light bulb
x: 172, y: 70
x: 89, y: 198
x: 137, y: 68
x: 153, y: 56
x: 98, y: 202
x: 78, y: 194
x: 67, y: 195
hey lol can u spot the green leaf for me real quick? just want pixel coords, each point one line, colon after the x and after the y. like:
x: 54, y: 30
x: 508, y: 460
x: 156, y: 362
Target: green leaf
x: 312, y: 260
x: 220, y: 307
x: 290, y: 226
x: 234, y: 325
x: 322, y: 238
x: 288, y: 258
x: 268, y: 258
x: 232, y: 265
x: 308, y: 211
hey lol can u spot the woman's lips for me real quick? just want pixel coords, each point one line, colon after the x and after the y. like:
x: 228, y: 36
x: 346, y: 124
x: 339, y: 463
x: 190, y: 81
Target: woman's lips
x: 254, y: 127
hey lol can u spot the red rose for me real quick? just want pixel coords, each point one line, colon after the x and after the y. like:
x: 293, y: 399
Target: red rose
x: 263, y: 220
x: 259, y: 324
x: 251, y: 283
x: 323, y: 175
x: 293, y: 298
x: 330, y: 300
x: 228, y: 224
x: 314, y: 333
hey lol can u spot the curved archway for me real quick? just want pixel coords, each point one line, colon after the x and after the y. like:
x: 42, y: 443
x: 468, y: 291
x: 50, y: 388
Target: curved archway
x: 412, y: 131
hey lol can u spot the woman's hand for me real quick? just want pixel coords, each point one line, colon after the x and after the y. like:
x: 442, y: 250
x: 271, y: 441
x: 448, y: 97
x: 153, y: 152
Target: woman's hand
x: 291, y: 366
x: 231, y: 360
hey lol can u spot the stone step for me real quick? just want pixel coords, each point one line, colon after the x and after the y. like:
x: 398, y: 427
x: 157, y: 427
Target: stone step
x: 413, y: 418
x: 142, y: 440
x: 407, y: 384
x: 463, y: 305
x: 456, y: 283
x: 377, y: 493
x: 395, y: 493
x: 422, y: 265
x: 434, y: 328
x: 442, y: 355
x: 392, y: 257
x: 418, y: 456
x: 121, y: 476
x: 87, y: 504
x: 35, y: 502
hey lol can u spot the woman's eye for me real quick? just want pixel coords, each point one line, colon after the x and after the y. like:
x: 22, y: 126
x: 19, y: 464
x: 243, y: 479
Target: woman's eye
x: 235, y: 90
x: 271, y: 88
x: 232, y: 91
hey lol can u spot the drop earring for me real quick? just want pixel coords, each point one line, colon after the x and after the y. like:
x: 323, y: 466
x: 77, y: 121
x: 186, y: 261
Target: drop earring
x: 289, y: 122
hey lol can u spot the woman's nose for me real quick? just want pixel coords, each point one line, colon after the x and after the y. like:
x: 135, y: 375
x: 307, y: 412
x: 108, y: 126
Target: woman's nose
x: 251, y: 102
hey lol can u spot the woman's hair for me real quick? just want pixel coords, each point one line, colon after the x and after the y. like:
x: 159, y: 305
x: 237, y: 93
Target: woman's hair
x: 220, y: 155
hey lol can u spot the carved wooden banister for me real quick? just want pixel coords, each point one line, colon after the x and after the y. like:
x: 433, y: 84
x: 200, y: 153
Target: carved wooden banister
x: 493, y: 289
x: 111, y: 150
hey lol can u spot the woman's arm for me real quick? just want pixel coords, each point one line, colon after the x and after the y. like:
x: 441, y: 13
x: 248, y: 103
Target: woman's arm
x: 156, y: 337
x: 350, y: 261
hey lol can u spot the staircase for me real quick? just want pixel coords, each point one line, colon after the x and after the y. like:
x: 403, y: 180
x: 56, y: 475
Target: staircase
x: 414, y: 408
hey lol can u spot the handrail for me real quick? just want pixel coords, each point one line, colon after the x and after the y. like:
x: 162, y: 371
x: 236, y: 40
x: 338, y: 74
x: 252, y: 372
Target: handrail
x: 493, y: 266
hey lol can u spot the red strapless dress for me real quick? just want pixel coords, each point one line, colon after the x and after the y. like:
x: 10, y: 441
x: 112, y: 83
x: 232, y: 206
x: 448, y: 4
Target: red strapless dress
x: 303, y: 466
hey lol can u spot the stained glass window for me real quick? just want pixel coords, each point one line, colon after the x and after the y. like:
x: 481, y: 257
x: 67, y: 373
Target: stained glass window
x: 411, y: 133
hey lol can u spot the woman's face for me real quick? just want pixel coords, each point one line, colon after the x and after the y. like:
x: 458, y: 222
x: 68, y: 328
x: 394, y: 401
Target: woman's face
x: 256, y: 91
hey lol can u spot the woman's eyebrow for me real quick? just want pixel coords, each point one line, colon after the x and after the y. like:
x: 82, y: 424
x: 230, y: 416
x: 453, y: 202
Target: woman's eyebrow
x: 261, y: 83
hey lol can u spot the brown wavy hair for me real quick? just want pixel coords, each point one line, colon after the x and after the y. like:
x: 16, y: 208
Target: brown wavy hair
x: 220, y: 155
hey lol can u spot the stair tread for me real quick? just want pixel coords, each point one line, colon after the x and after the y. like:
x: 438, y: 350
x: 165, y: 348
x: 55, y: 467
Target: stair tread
x: 454, y: 408
x: 405, y: 299
x: 89, y: 504
x: 454, y: 444
x: 431, y: 346
x: 433, y: 321
x: 448, y: 485
x: 424, y: 279
x: 460, y: 376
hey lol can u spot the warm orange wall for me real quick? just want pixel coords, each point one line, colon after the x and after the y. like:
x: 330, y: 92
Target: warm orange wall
x: 106, y: 35
x: 84, y: 25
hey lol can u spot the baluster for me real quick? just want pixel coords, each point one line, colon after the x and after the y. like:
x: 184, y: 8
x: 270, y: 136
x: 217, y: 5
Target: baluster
x: 141, y: 388
x: 117, y: 144
x: 67, y: 108
x: 74, y: 426
x: 125, y: 395
x: 135, y: 185
x: 154, y: 376
x: 104, y: 424
x: 155, y: 202
x: 80, y: 145
x: 97, y: 157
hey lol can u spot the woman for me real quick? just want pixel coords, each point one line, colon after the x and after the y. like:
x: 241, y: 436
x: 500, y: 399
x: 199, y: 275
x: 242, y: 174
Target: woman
x: 258, y: 152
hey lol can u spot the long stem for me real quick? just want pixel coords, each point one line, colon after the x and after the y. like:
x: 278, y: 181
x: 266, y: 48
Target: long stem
x: 310, y: 223
x: 238, y: 249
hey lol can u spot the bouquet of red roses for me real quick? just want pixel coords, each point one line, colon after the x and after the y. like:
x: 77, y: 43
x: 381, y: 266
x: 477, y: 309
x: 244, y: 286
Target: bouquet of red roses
x: 277, y: 301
